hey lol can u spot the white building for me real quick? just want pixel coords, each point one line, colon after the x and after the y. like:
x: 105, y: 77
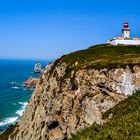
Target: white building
x: 125, y: 39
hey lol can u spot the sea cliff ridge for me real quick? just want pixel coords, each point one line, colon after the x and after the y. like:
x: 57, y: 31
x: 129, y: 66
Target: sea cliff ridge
x: 77, y: 90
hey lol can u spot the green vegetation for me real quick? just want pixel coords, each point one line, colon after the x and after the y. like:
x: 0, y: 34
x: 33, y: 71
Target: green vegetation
x: 98, y: 57
x: 124, y: 125
x: 104, y: 56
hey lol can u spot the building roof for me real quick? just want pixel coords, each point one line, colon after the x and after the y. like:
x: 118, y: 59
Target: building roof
x: 126, y: 25
x: 118, y: 37
x: 136, y: 38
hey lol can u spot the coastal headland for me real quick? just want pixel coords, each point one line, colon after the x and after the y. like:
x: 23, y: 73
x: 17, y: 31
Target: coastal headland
x: 84, y: 93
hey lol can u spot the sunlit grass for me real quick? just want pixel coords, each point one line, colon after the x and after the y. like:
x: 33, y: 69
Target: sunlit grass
x: 104, y: 56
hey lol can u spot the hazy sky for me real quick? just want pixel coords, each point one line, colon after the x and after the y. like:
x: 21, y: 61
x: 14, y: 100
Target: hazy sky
x: 44, y: 29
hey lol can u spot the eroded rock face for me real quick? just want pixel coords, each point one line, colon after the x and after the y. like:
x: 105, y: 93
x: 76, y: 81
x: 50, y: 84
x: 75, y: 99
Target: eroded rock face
x: 31, y: 82
x: 61, y: 106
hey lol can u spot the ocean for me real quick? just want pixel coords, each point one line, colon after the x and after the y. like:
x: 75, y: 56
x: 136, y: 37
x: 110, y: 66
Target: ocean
x: 13, y: 96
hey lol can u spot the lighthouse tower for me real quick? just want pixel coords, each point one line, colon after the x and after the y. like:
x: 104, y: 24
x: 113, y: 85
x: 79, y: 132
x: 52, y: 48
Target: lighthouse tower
x: 125, y: 39
x: 126, y: 31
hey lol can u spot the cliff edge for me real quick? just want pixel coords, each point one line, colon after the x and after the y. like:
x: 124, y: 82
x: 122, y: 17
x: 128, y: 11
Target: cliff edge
x: 76, y: 90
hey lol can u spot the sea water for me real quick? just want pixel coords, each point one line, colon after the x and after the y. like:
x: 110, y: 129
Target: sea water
x: 14, y: 96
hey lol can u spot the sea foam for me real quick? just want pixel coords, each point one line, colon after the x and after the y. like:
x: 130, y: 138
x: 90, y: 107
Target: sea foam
x: 21, y: 110
x: 19, y: 113
x: 13, y: 82
x: 8, y: 121
x: 15, y: 87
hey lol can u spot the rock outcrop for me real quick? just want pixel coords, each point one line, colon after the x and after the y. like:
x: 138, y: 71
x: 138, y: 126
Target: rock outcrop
x: 64, y: 103
x: 31, y: 82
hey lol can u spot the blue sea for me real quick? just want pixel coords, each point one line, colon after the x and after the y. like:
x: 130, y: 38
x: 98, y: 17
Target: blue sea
x: 13, y: 95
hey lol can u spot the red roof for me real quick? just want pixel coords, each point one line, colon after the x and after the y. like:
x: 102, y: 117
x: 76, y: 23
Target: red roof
x: 126, y: 25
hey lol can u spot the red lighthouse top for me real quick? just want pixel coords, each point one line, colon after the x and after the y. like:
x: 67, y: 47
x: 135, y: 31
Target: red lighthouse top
x: 126, y: 25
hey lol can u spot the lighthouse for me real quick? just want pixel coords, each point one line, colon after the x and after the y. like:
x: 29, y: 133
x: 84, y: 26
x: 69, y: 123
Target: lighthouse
x: 126, y: 31
x: 125, y: 38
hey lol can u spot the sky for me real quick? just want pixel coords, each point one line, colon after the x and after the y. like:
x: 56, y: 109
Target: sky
x: 47, y: 29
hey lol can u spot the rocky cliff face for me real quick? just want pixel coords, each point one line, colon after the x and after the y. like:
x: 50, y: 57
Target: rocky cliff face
x: 66, y: 101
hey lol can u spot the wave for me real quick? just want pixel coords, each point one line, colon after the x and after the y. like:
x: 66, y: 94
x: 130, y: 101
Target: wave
x: 19, y: 88
x: 13, y: 82
x: 15, y: 87
x: 21, y: 110
x: 18, y: 113
x: 23, y: 103
x: 8, y: 121
x: 24, y: 89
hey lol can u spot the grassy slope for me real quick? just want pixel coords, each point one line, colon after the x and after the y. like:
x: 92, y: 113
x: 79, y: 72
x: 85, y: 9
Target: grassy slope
x: 124, y: 125
x: 101, y: 56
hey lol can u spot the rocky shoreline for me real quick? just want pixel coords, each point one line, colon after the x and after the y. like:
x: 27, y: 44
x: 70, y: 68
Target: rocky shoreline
x: 31, y: 82
x: 72, y: 94
x: 57, y: 115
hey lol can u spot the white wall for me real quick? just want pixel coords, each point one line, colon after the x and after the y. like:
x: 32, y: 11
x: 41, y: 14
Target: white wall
x: 126, y: 34
x: 125, y: 42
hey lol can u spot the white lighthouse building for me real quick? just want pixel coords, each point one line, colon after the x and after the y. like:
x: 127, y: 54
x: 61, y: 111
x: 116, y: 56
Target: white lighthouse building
x: 125, y: 39
x: 126, y: 31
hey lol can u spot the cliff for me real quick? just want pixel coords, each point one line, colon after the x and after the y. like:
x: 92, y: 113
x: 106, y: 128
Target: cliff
x: 76, y: 90
x: 123, y: 123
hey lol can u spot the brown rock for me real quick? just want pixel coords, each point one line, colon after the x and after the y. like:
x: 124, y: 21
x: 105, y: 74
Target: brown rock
x: 55, y: 109
x: 56, y: 134
x: 31, y: 82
